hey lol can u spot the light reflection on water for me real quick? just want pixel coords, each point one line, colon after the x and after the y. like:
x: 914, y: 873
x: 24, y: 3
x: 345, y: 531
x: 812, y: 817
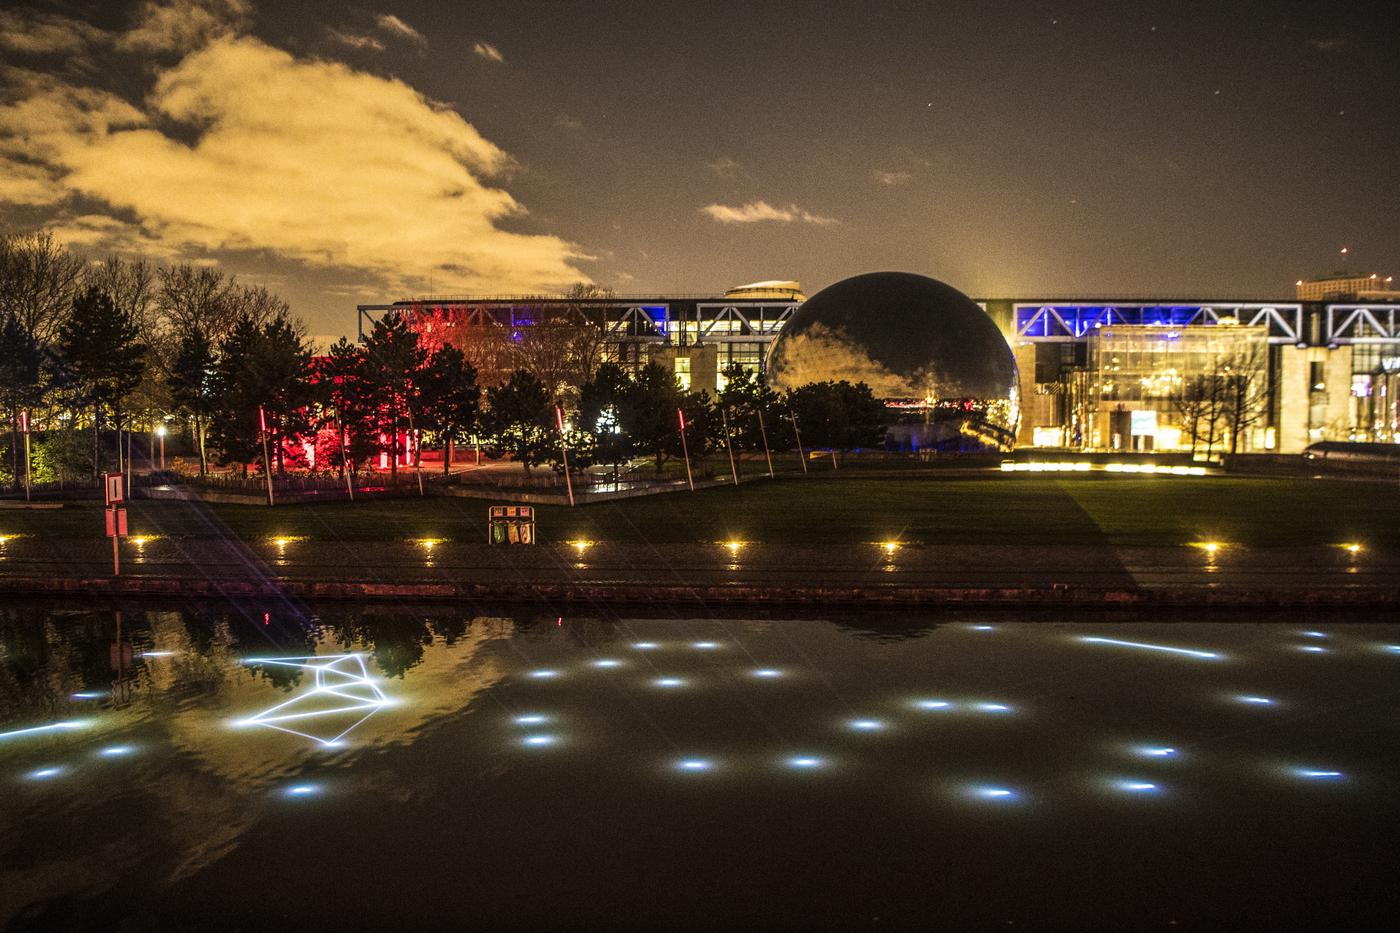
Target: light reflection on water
x: 521, y: 728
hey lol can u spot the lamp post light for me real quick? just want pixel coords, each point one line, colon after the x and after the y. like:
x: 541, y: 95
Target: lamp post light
x: 160, y: 433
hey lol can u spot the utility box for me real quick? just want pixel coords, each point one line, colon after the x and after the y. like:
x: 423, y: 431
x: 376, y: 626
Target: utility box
x: 511, y: 524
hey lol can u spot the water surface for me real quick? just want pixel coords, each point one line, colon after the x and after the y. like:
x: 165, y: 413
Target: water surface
x: 242, y: 766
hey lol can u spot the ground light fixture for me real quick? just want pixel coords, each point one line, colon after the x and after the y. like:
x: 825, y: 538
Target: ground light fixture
x: 580, y: 546
x: 889, y: 547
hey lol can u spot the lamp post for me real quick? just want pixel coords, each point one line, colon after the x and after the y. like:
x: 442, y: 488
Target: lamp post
x: 267, y: 463
x: 801, y: 456
x: 160, y: 433
x: 24, y: 429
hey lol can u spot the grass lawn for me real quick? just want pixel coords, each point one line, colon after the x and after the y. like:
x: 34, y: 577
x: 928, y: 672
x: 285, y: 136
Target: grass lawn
x: 831, y: 509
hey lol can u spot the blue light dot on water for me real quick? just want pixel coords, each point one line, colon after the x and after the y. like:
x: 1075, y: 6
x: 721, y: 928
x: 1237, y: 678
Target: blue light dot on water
x: 1156, y: 751
x: 669, y: 682
x: 302, y: 790
x: 982, y: 628
x: 116, y: 750
x: 1255, y: 701
x: 993, y: 707
x: 933, y: 704
x: 805, y: 762
x: 767, y: 672
x: 866, y: 725
x: 1312, y: 649
x: 1136, y: 787
x: 705, y: 645
x: 544, y: 675
x: 644, y: 645
x: 1316, y: 774
x: 992, y: 793
x: 607, y: 662
x: 531, y: 719
x: 537, y: 741
x: 693, y: 764
x: 43, y: 774
x: 1315, y: 634
x: 90, y: 695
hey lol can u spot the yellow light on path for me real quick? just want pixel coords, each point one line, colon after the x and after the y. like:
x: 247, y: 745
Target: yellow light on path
x: 581, y: 546
x: 1210, y: 547
x: 281, y: 542
x: 734, y: 546
x: 890, y: 546
x: 1353, y: 548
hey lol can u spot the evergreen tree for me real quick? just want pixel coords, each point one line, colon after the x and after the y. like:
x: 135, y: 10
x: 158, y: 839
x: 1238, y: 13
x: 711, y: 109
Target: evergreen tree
x: 649, y: 413
x: 450, y: 399
x: 263, y: 367
x: 191, y: 386
x: 393, y: 364
x: 21, y: 381
x: 103, y: 357
x: 520, y: 419
x: 838, y: 415
x: 603, y: 402
x: 347, y: 402
x: 746, y: 397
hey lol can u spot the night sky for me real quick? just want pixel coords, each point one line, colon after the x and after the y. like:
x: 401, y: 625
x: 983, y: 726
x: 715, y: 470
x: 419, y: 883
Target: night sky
x: 345, y: 153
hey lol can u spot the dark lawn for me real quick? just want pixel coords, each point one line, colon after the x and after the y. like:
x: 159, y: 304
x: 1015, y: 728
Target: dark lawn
x: 836, y: 509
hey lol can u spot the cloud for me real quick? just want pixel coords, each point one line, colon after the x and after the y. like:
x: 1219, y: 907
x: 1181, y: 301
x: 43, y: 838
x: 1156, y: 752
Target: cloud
x: 1328, y: 44
x: 183, y: 25
x: 240, y: 146
x: 391, y: 24
x: 355, y: 40
x: 891, y: 179
x: 759, y: 211
x: 566, y: 122
x: 28, y: 32
x: 488, y: 51
x: 726, y: 167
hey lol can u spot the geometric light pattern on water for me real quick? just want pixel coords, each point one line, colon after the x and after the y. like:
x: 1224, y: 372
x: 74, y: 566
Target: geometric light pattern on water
x: 341, y: 697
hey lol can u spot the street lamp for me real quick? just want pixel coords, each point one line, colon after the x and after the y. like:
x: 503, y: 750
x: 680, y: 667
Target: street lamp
x: 160, y: 433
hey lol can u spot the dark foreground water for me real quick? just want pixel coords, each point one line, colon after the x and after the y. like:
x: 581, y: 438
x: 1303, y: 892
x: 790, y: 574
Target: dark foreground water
x: 213, y: 767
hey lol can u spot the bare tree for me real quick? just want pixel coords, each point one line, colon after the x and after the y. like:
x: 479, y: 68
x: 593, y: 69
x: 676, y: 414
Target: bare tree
x: 197, y: 300
x: 1246, y: 390
x: 39, y: 278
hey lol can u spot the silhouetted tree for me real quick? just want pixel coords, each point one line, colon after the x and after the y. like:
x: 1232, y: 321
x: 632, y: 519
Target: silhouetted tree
x: 450, y: 399
x: 191, y: 385
x: 519, y: 418
x: 102, y: 357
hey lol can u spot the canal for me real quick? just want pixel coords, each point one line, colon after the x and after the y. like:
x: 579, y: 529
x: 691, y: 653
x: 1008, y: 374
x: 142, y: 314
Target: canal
x: 243, y: 766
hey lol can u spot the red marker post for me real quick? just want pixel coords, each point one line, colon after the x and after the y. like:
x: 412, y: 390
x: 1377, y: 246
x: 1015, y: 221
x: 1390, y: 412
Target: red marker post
x: 115, y: 489
x: 563, y: 449
x: 267, y: 463
x: 685, y: 449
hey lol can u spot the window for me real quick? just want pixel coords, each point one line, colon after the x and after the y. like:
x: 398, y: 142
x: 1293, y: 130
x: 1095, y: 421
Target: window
x: 683, y: 372
x: 1317, y: 378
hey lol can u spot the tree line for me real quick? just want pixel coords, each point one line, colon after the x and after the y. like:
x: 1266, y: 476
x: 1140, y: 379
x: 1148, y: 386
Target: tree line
x: 89, y: 350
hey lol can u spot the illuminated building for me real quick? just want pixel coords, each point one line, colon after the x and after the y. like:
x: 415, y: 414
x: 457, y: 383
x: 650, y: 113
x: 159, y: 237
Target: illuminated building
x: 1091, y: 374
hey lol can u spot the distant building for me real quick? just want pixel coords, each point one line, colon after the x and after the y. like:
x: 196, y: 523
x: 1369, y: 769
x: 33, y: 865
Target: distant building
x: 782, y: 291
x: 1343, y: 286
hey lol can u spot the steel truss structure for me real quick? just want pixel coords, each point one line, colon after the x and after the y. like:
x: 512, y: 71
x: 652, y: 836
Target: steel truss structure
x: 1361, y: 323
x: 1060, y: 321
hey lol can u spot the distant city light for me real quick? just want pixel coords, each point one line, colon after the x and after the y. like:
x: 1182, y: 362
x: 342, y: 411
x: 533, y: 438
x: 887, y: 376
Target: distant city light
x: 1188, y: 652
